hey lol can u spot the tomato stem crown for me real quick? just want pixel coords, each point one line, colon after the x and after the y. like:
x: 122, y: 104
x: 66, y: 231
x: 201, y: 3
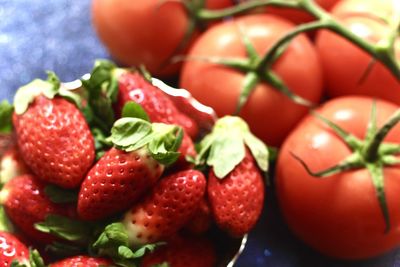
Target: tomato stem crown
x: 371, y: 153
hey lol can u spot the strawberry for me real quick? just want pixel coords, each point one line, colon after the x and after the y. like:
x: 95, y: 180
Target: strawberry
x: 235, y: 185
x: 12, y: 165
x: 11, y: 249
x: 237, y: 200
x: 117, y: 180
x: 133, y: 86
x: 187, y: 252
x: 186, y: 149
x: 126, y: 172
x: 169, y: 206
x: 52, y: 134
x: 83, y: 261
x: 202, y: 219
x: 26, y: 203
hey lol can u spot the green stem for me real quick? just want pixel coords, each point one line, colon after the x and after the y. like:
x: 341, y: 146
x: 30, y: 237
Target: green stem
x: 208, y: 15
x: 271, y: 55
x: 372, y: 147
x: 377, y: 52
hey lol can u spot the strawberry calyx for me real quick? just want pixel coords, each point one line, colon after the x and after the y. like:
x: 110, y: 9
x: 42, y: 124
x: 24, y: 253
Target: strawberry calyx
x: 371, y: 153
x: 113, y: 242
x: 50, y: 88
x: 35, y: 260
x: 6, y: 110
x: 161, y: 140
x: 225, y: 147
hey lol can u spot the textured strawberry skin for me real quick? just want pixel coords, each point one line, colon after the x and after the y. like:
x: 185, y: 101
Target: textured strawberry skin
x: 82, y: 261
x: 26, y: 203
x: 133, y: 87
x: 186, y: 149
x: 55, y: 141
x: 116, y: 182
x: 12, y: 249
x: 188, y: 252
x: 237, y: 200
x: 202, y: 219
x: 167, y: 208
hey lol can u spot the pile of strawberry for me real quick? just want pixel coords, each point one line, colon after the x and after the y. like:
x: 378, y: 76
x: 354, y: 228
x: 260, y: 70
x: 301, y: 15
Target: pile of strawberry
x: 108, y: 175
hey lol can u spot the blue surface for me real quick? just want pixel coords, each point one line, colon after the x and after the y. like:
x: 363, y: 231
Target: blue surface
x: 40, y: 35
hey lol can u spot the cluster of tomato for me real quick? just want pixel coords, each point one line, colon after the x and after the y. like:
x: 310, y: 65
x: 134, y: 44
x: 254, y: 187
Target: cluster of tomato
x: 354, y: 212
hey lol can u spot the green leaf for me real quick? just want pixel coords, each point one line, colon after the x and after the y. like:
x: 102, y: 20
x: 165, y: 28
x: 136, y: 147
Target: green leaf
x: 61, y: 195
x: 27, y: 93
x: 100, y: 74
x: 134, y: 110
x: 6, y: 111
x: 66, y: 228
x: 71, y: 96
x: 165, y: 143
x: 5, y: 223
x: 126, y: 253
x: 164, y: 264
x: 35, y: 259
x: 225, y: 147
x: 113, y: 235
x: 258, y: 149
x: 225, y: 154
x: 129, y: 131
x: 16, y: 263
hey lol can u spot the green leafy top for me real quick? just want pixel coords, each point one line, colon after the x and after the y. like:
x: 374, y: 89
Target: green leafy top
x: 225, y: 146
x: 113, y: 242
x: 49, y: 88
x: 161, y: 140
x: 35, y: 260
x: 6, y: 110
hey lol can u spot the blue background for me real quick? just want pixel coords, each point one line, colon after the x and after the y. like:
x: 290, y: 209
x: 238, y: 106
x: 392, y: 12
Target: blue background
x: 40, y: 35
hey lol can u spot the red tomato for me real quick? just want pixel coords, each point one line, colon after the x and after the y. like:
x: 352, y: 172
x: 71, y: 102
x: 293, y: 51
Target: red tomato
x: 143, y: 32
x: 344, y: 64
x: 338, y: 215
x: 270, y: 114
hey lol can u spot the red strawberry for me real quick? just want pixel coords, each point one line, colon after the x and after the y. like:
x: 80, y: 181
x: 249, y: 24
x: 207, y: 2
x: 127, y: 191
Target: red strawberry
x: 82, y: 261
x: 134, y: 87
x: 55, y: 141
x: 26, y: 203
x: 117, y: 180
x: 188, y: 252
x: 12, y: 249
x: 12, y: 165
x: 235, y: 184
x: 238, y: 199
x: 202, y: 219
x: 169, y: 206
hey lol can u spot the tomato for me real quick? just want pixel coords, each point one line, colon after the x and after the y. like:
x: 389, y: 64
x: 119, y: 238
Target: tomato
x: 338, y: 215
x: 345, y: 64
x: 143, y: 32
x: 270, y: 114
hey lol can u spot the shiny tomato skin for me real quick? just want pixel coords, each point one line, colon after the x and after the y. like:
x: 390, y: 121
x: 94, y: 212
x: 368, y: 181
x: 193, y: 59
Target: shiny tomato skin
x: 143, y: 31
x: 344, y: 64
x: 338, y: 215
x: 270, y: 114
